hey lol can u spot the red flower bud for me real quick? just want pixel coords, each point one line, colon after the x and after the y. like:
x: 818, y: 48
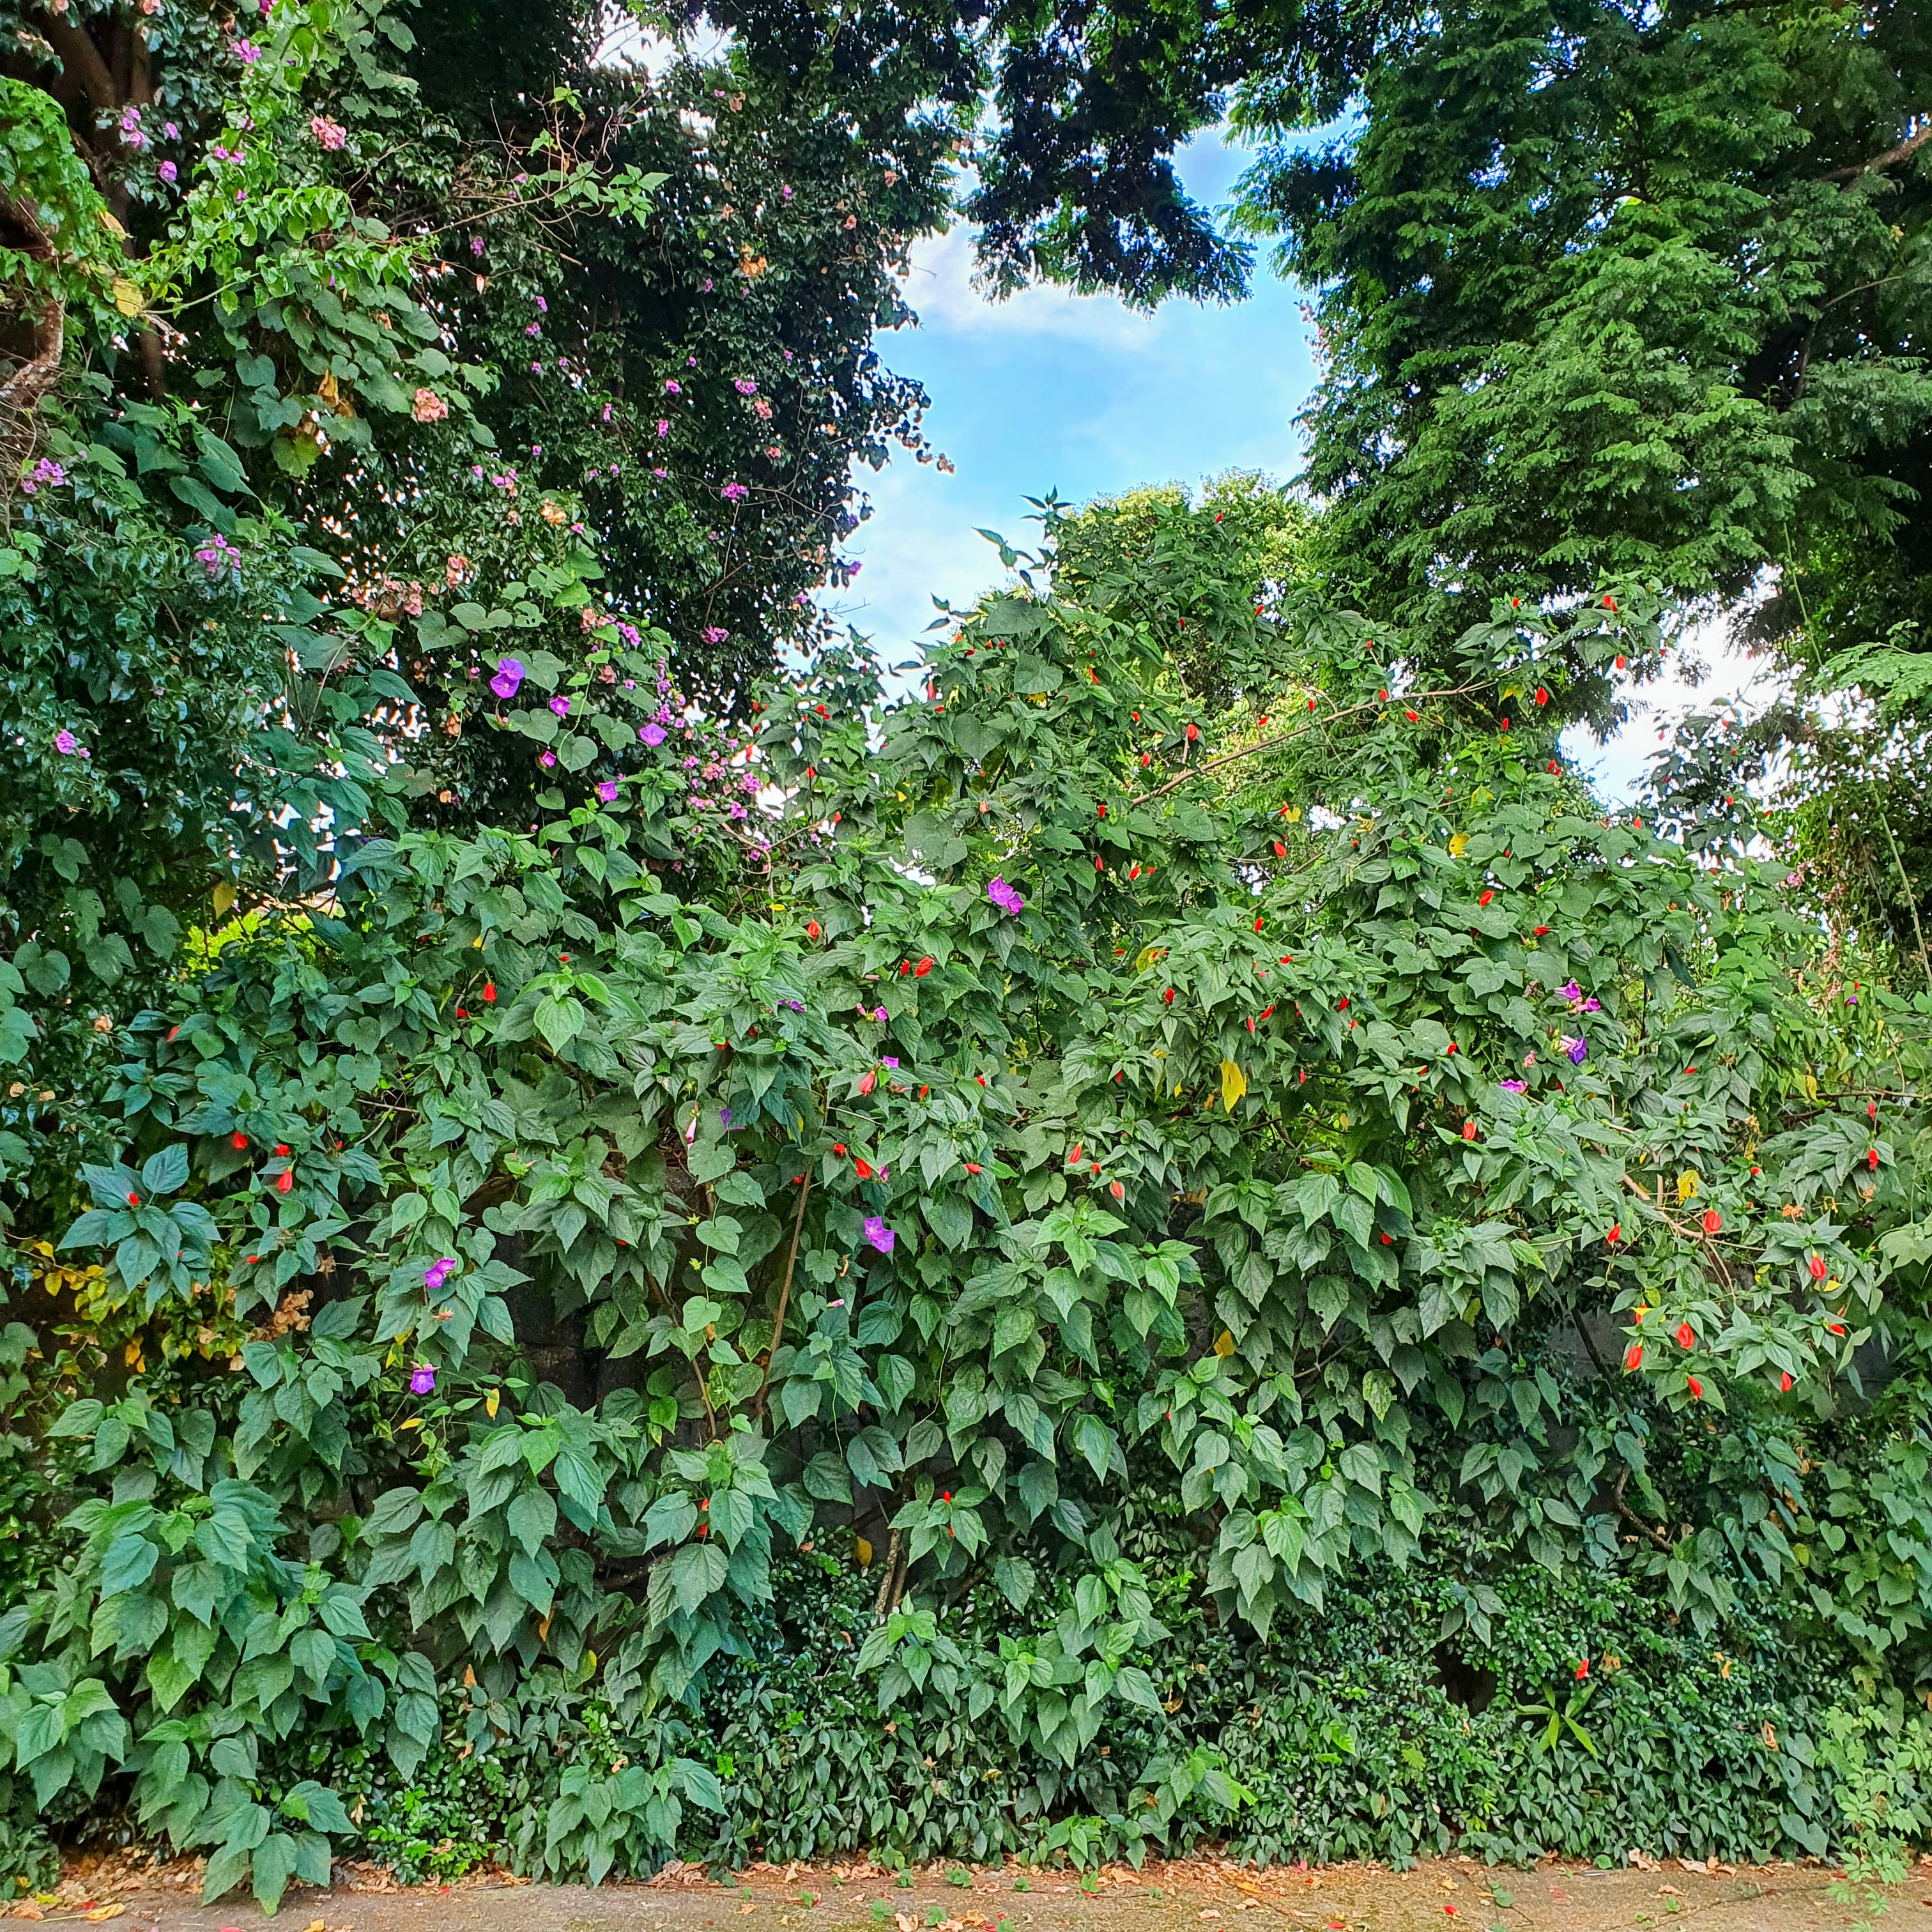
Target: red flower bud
x: 1073, y: 1156
x: 1871, y: 1160
x: 1540, y: 931
x: 1696, y: 1388
x: 489, y: 992
x: 1616, y: 1234
x: 1167, y: 998
x: 1114, y: 1188
x: 238, y: 1140
x: 133, y: 1201
x: 1192, y: 732
x: 1542, y: 696
x: 1468, y: 1130
x: 1686, y: 1335
x: 1817, y: 1264
x: 812, y: 928
x: 1280, y: 850
x: 1713, y: 1220
x: 1784, y: 1382
x: 284, y: 1181
x: 1413, y: 717
x: 838, y: 1148
x: 1482, y: 898
x: 973, y: 1167
x: 1634, y: 1356
x: 862, y: 1168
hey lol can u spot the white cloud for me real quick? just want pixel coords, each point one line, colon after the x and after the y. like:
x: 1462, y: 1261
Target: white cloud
x: 939, y: 287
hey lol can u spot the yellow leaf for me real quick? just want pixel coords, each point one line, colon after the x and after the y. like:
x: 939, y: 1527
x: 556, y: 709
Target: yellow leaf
x: 1457, y: 843
x: 490, y: 1403
x: 414, y: 1422
x: 865, y: 1552
x: 1224, y: 1343
x: 1687, y: 1186
x: 1233, y: 1084
x: 589, y: 1663
x: 127, y: 296
x: 108, y: 222
x: 224, y: 896
x: 101, y: 1912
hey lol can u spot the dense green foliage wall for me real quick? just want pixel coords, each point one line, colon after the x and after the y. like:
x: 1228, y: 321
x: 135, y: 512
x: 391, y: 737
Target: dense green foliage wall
x: 617, y: 1249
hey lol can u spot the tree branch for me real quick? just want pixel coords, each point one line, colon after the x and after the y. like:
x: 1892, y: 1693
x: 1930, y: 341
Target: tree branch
x: 784, y: 1294
x: 1890, y: 158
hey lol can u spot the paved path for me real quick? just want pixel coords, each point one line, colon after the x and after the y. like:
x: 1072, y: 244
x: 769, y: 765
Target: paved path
x: 1192, y: 1895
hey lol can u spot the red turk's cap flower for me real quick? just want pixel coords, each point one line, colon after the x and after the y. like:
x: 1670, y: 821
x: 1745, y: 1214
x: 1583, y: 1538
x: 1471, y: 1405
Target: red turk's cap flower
x: 1713, y: 1220
x: 1073, y: 1156
x: 1816, y: 1265
x: 1634, y: 1356
x: 1192, y: 732
x: 973, y: 1167
x: 1581, y: 1671
x: 1167, y: 998
x: 812, y: 928
x: 1114, y: 1188
x: 1784, y: 1382
x: 1280, y: 850
x: 1412, y: 716
x: 1616, y: 1234
x: 238, y: 1139
x: 1540, y: 931
x: 1484, y: 899
x: 1686, y: 1335
x: 924, y: 966
x: 284, y: 1181
x: 1609, y: 603
x: 1542, y: 696
x: 838, y: 1148
x: 489, y: 992
x: 1696, y: 1388
x: 133, y: 1201
x: 1468, y: 1130
x: 1871, y: 1159
x: 862, y: 1168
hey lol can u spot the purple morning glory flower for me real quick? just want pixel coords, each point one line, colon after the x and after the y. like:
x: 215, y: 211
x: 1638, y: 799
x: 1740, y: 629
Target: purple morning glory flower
x: 1003, y: 896
x: 509, y: 675
x: 607, y: 789
x: 890, y: 1061
x: 1578, y: 1049
x: 422, y: 1380
x: 1572, y: 992
x: 561, y: 705
x: 438, y: 1272
x: 1516, y: 1086
x: 879, y: 1014
x: 881, y: 1236
x: 651, y: 734
x: 796, y: 1006
x: 723, y: 1117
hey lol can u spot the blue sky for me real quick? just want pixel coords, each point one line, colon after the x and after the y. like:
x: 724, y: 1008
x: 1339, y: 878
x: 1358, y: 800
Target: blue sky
x: 1082, y: 395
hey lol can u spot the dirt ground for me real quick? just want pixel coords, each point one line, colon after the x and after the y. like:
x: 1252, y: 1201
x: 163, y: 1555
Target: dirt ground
x: 1192, y: 1895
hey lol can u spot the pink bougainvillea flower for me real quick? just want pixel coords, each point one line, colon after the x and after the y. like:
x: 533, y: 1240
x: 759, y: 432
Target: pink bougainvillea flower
x: 734, y: 493
x: 427, y: 407
x: 331, y: 135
